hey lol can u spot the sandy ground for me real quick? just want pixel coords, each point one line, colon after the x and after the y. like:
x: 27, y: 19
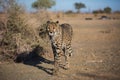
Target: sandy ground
x: 96, y: 55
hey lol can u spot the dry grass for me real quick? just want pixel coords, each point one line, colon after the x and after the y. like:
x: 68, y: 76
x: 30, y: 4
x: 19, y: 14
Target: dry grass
x: 21, y: 34
x: 95, y: 53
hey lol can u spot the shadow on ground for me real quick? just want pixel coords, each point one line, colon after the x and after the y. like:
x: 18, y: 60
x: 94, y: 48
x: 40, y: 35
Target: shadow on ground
x: 34, y: 58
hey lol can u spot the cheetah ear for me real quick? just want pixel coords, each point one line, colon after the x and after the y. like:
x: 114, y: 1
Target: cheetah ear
x: 48, y: 22
x: 57, y: 22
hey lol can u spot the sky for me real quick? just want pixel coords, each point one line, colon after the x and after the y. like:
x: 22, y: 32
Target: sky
x: 65, y: 5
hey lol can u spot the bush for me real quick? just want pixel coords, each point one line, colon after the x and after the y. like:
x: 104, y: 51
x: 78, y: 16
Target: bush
x: 18, y: 36
x: 69, y: 12
x: 107, y: 10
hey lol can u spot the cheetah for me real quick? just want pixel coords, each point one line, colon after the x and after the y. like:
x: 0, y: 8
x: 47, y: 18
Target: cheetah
x: 60, y: 37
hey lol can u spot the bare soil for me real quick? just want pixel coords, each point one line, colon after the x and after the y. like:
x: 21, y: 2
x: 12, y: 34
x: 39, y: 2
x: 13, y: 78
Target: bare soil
x: 96, y: 55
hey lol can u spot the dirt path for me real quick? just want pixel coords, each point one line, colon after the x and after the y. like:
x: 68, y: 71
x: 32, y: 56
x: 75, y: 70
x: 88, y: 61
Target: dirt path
x: 96, y: 56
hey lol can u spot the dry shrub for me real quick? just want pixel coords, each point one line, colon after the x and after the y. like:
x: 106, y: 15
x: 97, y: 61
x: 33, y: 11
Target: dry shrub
x: 42, y: 16
x: 20, y: 35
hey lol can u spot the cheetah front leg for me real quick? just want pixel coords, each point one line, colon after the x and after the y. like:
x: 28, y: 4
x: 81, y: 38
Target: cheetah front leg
x: 68, y: 54
x: 66, y: 67
x: 57, y: 61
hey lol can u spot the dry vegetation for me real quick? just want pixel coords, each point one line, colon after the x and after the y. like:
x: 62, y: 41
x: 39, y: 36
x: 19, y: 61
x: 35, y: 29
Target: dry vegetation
x: 19, y: 33
x: 96, y: 51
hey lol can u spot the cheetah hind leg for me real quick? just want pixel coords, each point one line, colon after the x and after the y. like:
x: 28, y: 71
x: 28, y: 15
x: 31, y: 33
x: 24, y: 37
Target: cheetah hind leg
x: 70, y: 51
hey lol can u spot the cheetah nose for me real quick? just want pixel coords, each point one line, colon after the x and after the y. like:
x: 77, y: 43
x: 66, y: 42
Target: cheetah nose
x: 50, y: 32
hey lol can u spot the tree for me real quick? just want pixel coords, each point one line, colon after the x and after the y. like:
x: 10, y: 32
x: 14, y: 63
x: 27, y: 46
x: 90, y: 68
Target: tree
x: 4, y: 5
x: 8, y: 6
x: 43, y: 4
x: 78, y: 6
x: 107, y: 10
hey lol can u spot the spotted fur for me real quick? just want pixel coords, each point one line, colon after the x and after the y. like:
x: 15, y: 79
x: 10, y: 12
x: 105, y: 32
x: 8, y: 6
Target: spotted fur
x: 60, y: 36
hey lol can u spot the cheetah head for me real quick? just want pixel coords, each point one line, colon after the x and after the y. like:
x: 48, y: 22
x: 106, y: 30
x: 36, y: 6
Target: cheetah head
x: 52, y: 28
